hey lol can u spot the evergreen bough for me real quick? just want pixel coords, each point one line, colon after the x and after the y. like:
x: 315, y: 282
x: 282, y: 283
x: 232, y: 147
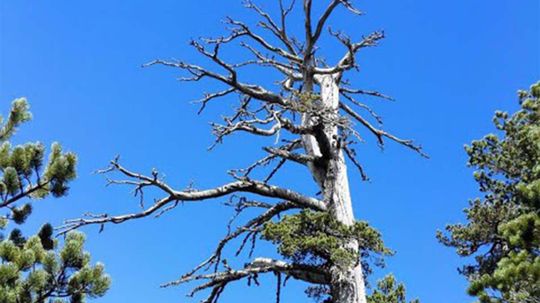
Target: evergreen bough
x: 389, y: 291
x: 318, y: 238
x: 37, y: 270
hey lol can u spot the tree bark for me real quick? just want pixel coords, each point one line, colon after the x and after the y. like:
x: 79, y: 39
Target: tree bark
x: 347, y: 284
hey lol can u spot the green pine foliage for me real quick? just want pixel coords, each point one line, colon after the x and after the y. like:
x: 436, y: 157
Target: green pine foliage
x: 19, y: 114
x: 36, y: 270
x: 389, y: 291
x: 24, y: 172
x: 65, y: 274
x: 503, y: 228
x: 317, y: 238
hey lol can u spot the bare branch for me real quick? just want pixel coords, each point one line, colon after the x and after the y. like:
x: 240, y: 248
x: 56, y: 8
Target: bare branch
x: 208, y: 97
x: 351, y: 154
x: 306, y: 273
x: 197, y: 72
x: 380, y: 134
x: 348, y: 60
x: 244, y: 30
x: 275, y: 170
x: 350, y: 7
x: 367, y: 108
x: 254, y: 223
x: 267, y: 159
x: 298, y: 158
x: 253, y: 126
x: 288, y: 70
x: 322, y: 21
x: 191, y: 195
x: 308, y: 29
x: 365, y: 92
x: 271, y: 25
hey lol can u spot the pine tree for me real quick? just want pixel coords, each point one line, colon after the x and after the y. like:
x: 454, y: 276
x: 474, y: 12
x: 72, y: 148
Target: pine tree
x: 503, y: 228
x: 35, y: 270
x: 389, y: 291
x: 314, y: 119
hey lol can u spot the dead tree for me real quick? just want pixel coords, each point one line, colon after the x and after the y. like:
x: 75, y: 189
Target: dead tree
x: 313, y: 118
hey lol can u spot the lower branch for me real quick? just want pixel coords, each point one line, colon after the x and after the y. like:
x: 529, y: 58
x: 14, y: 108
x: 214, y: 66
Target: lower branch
x: 219, y: 280
x: 271, y: 212
x: 173, y: 197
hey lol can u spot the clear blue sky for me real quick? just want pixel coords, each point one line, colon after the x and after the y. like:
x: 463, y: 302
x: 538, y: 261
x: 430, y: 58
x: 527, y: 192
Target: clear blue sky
x: 449, y: 64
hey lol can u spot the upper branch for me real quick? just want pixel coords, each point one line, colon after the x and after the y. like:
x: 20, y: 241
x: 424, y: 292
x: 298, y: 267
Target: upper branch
x: 243, y: 30
x: 197, y: 72
x: 322, y: 21
x: 348, y: 61
x: 254, y: 125
x: 279, y: 31
x: 308, y: 29
x: 313, y: 36
x: 379, y: 133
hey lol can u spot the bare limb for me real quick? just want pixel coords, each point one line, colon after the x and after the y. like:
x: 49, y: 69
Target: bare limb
x: 208, y: 97
x: 191, y: 195
x: 254, y: 223
x: 306, y: 273
x: 255, y: 125
x: 267, y: 159
x: 351, y: 154
x: 372, y: 93
x: 272, y: 26
x: 348, y: 60
x: 243, y: 30
x: 298, y: 158
x: 289, y: 70
x: 380, y: 134
x: 308, y: 29
x: 367, y: 108
x: 322, y: 21
x: 198, y: 73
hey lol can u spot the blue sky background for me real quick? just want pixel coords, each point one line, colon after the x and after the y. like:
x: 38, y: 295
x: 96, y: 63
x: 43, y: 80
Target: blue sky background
x: 449, y: 64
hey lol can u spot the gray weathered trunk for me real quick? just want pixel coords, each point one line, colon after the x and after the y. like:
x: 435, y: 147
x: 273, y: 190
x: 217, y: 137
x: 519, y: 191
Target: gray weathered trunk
x: 331, y: 175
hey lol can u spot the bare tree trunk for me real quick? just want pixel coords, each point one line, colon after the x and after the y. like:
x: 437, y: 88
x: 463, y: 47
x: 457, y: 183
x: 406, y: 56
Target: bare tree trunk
x: 347, y: 285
